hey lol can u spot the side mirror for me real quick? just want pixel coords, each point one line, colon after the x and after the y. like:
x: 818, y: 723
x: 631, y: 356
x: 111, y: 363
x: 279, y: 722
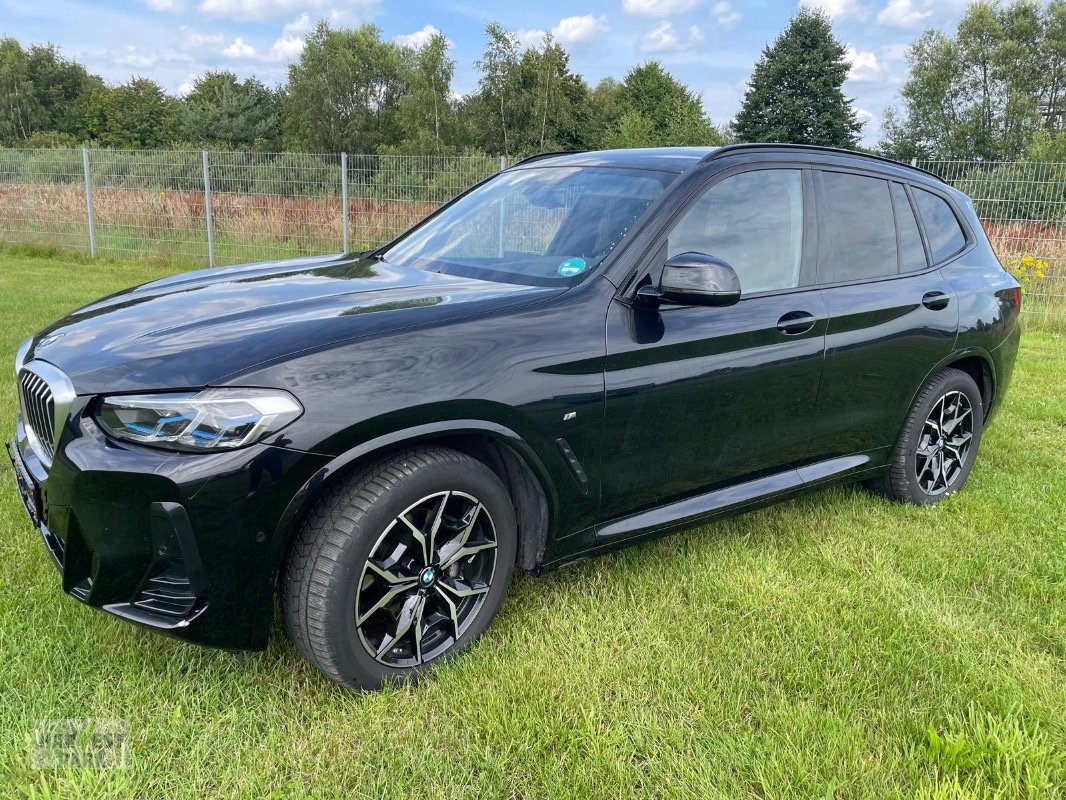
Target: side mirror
x: 695, y: 279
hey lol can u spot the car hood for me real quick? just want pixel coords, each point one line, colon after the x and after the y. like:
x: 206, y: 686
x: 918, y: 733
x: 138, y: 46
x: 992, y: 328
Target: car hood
x: 197, y: 328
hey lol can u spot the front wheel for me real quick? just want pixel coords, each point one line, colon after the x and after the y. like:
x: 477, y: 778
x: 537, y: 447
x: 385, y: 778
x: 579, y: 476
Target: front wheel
x: 400, y: 567
x: 939, y: 441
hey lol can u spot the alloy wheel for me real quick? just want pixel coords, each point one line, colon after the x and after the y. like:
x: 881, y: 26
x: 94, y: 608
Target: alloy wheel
x: 944, y: 444
x: 426, y: 579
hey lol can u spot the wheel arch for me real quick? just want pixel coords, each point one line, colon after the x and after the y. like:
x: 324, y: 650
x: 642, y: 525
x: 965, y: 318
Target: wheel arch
x: 975, y: 362
x: 505, y: 452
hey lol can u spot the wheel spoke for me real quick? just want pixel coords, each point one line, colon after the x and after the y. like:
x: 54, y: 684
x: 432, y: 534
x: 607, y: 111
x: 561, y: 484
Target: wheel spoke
x: 417, y: 624
x: 418, y: 536
x: 437, y: 519
x: 389, y: 575
x: 386, y: 599
x: 403, y: 624
x: 453, y: 612
x: 460, y: 588
x: 460, y: 546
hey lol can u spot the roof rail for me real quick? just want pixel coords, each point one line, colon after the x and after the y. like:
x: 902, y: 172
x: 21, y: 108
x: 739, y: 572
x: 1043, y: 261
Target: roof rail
x: 816, y: 148
x: 539, y: 156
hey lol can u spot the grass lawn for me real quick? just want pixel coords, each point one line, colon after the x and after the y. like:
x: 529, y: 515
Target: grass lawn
x: 834, y: 646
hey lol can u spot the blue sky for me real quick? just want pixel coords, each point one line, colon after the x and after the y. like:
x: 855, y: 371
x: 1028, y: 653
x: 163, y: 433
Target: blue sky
x: 711, y: 45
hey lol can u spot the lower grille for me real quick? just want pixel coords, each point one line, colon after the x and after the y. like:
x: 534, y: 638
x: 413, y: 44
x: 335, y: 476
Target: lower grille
x: 38, y: 408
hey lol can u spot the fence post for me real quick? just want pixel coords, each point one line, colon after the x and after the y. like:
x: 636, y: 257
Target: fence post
x: 207, y: 210
x: 503, y: 163
x: 89, y: 200
x: 344, y: 200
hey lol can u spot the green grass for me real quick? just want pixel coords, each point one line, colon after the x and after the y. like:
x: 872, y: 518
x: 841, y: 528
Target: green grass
x: 834, y: 646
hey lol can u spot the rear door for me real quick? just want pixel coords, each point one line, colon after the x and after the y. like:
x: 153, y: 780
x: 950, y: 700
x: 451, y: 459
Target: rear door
x: 892, y: 315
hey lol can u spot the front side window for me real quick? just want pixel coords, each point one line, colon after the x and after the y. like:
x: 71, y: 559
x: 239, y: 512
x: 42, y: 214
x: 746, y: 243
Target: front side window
x: 942, y: 228
x: 754, y: 222
x: 533, y: 225
x: 857, y: 231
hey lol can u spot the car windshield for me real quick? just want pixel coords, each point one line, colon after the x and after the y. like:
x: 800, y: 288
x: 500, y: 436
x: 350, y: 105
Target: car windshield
x: 536, y: 225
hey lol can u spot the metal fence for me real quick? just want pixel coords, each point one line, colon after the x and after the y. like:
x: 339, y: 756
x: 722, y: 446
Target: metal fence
x: 222, y: 207
x: 1022, y: 205
x: 226, y: 207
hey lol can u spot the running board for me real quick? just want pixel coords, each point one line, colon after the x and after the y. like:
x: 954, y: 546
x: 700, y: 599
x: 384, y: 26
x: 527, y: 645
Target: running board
x: 692, y: 510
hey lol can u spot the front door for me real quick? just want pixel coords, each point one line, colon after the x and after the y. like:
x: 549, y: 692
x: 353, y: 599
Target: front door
x: 699, y: 398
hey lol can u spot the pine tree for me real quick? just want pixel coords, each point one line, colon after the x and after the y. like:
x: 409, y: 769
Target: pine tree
x: 795, y: 93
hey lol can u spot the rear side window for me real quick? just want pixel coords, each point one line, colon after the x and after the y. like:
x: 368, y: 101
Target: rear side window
x: 942, y: 229
x: 856, y: 224
x: 911, y: 249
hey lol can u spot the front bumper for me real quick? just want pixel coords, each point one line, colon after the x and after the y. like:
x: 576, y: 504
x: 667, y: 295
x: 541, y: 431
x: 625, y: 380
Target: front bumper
x: 184, y: 544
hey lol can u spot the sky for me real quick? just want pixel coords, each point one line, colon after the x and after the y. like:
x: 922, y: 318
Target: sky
x: 710, y: 45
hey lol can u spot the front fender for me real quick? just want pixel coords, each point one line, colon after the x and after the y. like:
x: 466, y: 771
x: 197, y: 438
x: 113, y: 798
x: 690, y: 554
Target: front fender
x: 363, y: 452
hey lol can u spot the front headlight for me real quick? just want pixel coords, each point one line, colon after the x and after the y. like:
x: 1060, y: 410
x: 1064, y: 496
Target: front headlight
x: 214, y: 419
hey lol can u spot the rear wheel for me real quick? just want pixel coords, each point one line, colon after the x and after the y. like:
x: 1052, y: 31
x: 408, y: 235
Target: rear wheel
x: 400, y: 567
x: 938, y: 444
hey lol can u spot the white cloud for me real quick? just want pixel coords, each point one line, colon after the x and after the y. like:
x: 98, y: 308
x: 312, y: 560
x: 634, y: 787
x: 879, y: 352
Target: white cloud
x: 197, y: 40
x: 726, y: 16
x: 165, y: 5
x: 906, y: 14
x: 663, y: 38
x: 836, y: 9
x: 131, y: 57
x: 285, y: 48
x: 580, y: 29
x: 529, y: 38
x: 417, y: 39
x: 864, y: 116
x: 658, y: 8
x: 302, y: 24
x: 264, y: 9
x: 864, y: 64
x: 239, y: 49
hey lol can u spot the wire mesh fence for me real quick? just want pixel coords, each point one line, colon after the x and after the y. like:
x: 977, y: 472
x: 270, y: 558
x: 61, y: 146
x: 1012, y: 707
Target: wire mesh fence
x: 228, y: 207
x: 222, y: 207
x: 1022, y: 205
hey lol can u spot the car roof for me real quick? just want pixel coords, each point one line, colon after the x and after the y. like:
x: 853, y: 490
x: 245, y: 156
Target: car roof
x: 664, y: 159
x: 680, y: 159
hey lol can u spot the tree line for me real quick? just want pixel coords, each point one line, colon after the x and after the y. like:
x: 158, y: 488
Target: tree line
x: 994, y: 89
x: 352, y: 90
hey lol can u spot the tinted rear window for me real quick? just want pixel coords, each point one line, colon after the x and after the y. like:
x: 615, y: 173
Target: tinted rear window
x: 911, y: 249
x: 942, y: 229
x: 857, y: 232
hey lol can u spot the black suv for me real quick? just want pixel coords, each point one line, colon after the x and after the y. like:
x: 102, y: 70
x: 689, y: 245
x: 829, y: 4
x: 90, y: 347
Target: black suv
x: 581, y: 352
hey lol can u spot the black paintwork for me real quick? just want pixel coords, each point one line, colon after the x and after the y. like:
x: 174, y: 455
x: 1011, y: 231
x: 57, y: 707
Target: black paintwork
x: 629, y: 419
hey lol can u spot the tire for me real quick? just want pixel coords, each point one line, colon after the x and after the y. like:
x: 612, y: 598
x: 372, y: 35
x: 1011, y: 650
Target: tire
x: 913, y: 476
x: 356, y: 573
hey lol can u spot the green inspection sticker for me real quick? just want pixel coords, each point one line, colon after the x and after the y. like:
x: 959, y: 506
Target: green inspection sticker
x: 572, y: 267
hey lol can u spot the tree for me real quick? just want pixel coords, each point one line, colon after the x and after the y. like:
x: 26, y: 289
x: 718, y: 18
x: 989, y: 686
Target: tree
x: 796, y: 91
x: 654, y: 109
x: 984, y: 92
x: 427, y: 110
x: 140, y: 114
x: 499, y: 84
x: 343, y: 93
x: 223, y: 111
x: 42, y: 92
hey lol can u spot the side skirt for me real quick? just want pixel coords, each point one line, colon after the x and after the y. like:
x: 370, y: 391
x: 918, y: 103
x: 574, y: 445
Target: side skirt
x: 696, y: 510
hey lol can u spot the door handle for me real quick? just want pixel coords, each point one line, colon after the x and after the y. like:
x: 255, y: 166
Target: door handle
x: 935, y: 301
x: 796, y: 322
